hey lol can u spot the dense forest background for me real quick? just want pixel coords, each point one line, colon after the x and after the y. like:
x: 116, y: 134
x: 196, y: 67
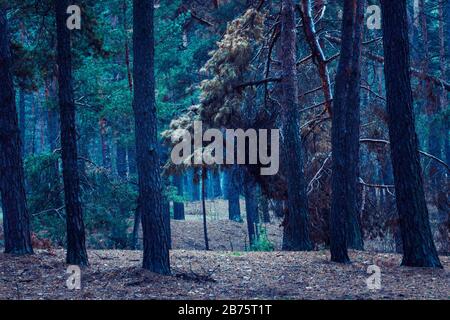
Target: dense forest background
x: 363, y: 110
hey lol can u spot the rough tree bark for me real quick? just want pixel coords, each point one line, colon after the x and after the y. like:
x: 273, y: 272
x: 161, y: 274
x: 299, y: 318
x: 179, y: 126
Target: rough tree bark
x: 154, y: 225
x: 443, y: 202
x: 76, y: 249
x: 345, y: 230
x: 16, y: 222
x: 296, y: 232
x: 418, y: 246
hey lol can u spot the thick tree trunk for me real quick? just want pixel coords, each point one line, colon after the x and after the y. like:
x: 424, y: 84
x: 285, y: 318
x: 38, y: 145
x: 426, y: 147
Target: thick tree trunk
x: 344, y: 223
x: 16, y: 222
x: 443, y: 203
x: 154, y: 225
x: 178, y: 207
x: 76, y: 249
x: 232, y: 193
x: 418, y: 246
x: 296, y: 235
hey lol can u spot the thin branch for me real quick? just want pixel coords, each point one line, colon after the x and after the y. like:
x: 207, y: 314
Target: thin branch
x: 257, y: 82
x: 426, y: 154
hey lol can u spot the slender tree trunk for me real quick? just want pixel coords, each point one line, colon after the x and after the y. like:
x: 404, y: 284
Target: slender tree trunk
x: 418, y: 246
x: 22, y: 122
x: 205, y: 226
x: 52, y: 116
x: 178, y: 207
x: 296, y: 235
x: 121, y: 160
x: 251, y: 207
x: 42, y: 123
x: 264, y: 204
x: 196, y: 188
x: 216, y: 183
x: 154, y: 225
x: 131, y: 156
x: 32, y: 149
x: 136, y: 226
x: 104, y: 137
x: 16, y: 222
x: 344, y: 224
x: 76, y: 249
x: 127, y: 47
x: 121, y: 168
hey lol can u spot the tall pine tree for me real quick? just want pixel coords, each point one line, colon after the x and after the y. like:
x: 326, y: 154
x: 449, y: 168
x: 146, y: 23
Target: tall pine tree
x: 155, y: 227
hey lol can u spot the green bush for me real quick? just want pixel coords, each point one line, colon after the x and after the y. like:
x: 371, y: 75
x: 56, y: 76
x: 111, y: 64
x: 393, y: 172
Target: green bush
x: 262, y: 242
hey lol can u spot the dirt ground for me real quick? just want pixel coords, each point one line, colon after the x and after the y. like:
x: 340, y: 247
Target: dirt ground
x: 220, y: 275
x: 226, y: 272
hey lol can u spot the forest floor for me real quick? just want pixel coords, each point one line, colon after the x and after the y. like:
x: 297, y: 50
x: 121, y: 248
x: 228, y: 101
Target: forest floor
x: 226, y: 272
x: 115, y: 274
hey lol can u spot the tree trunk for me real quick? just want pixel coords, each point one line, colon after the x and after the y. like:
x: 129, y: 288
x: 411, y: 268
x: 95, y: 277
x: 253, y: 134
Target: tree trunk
x: 264, y: 204
x: 196, y: 186
x: 232, y: 194
x: 216, y: 184
x: 296, y: 235
x: 22, y: 122
x: 76, y: 249
x: 104, y: 137
x: 443, y: 203
x: 154, y: 225
x: 132, y: 166
x: 345, y: 230
x: 16, y: 222
x: 121, y: 160
x: 52, y: 117
x: 178, y: 207
x: 135, y: 235
x: 418, y: 246
x: 205, y: 226
x: 251, y: 208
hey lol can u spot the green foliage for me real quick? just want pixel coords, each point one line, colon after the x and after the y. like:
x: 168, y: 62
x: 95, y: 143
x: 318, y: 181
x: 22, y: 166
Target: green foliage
x: 45, y: 196
x: 262, y: 242
x: 108, y: 203
x: 109, y: 206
